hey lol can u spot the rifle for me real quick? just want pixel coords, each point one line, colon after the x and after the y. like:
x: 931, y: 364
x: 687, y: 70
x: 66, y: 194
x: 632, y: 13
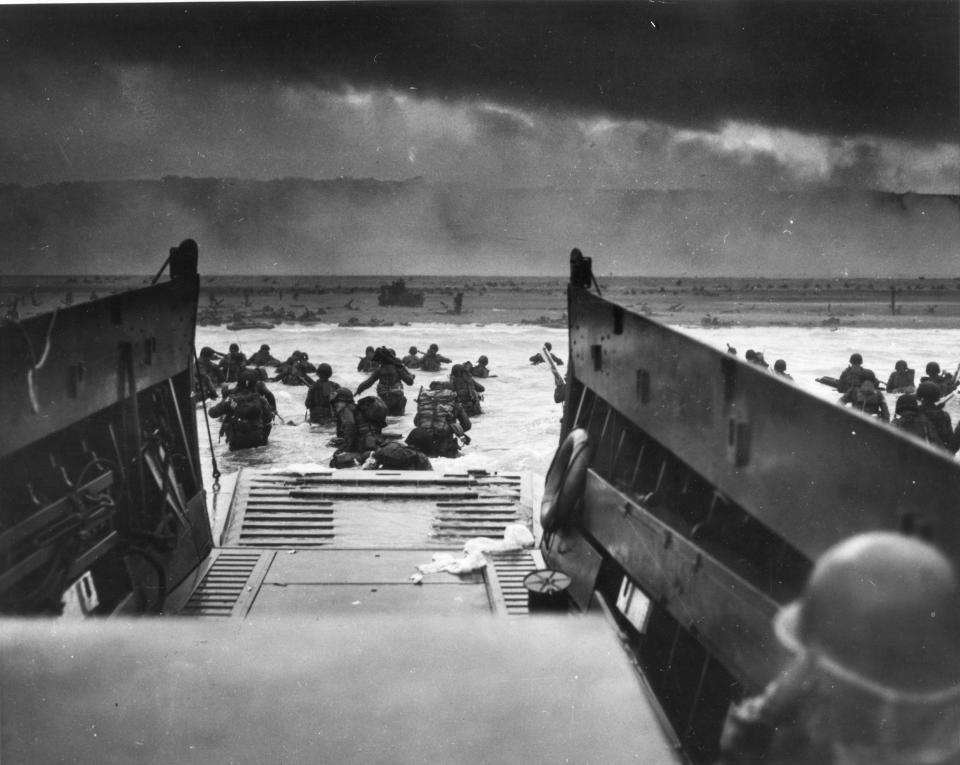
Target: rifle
x: 560, y: 384
x: 548, y: 357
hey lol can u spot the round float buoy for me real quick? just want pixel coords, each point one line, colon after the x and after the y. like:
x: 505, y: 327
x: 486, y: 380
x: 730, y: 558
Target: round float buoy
x: 546, y: 590
x: 565, y: 481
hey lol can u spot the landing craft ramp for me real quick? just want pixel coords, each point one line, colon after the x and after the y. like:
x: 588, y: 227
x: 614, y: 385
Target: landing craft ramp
x: 314, y: 645
x: 349, y: 541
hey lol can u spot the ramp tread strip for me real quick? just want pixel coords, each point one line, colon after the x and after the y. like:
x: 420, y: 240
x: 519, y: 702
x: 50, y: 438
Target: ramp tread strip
x: 222, y: 591
x: 505, y: 573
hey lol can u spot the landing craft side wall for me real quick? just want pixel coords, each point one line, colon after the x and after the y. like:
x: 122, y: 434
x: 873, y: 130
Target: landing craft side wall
x: 808, y: 470
x: 93, y: 349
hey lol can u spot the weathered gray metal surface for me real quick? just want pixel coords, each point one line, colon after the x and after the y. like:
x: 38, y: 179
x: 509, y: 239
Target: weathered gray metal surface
x: 505, y: 573
x: 89, y: 353
x: 706, y: 596
x: 229, y: 584
x: 317, y: 566
x: 805, y: 468
x: 335, y: 509
x: 329, y: 690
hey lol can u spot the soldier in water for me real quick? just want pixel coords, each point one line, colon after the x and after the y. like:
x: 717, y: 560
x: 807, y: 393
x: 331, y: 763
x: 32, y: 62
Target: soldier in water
x: 319, y: 398
x: 851, y: 377
x: 263, y: 358
x: 247, y: 413
x: 367, y: 363
x: 901, y: 379
x: 480, y: 369
x: 868, y: 400
x: 432, y: 359
x: 390, y: 376
x: 232, y: 364
x: 537, y: 358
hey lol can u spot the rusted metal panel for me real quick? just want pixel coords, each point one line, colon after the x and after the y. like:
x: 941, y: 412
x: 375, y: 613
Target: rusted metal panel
x: 62, y: 367
x: 804, y: 467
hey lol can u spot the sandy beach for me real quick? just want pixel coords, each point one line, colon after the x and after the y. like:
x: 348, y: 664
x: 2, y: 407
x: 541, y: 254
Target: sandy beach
x: 353, y: 301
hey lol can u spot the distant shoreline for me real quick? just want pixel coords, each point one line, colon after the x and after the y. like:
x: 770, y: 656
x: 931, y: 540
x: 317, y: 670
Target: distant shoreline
x: 706, y: 302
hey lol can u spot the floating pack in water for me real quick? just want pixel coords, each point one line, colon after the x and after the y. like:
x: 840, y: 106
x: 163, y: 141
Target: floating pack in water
x: 435, y: 409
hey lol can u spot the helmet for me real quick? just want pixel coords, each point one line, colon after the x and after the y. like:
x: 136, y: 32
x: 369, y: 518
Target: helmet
x: 907, y: 403
x: 456, y: 370
x: 880, y: 609
x: 900, y: 366
x: 264, y: 347
x: 384, y: 355
x: 413, y: 350
x: 324, y: 369
x: 234, y: 347
x: 548, y: 346
x: 482, y: 360
x: 206, y: 352
x: 750, y: 355
x: 369, y: 349
x: 342, y: 394
x: 434, y: 347
x: 933, y: 368
x: 928, y: 391
x: 856, y: 359
x: 780, y: 365
x: 247, y: 378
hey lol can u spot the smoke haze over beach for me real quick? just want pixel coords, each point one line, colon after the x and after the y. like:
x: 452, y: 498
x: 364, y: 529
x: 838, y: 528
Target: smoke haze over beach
x: 531, y: 128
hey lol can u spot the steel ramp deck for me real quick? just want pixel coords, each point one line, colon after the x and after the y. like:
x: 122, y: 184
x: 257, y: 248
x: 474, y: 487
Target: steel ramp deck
x: 350, y: 541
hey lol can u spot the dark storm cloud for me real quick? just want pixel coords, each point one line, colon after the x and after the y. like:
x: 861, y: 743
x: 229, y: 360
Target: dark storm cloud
x: 838, y: 68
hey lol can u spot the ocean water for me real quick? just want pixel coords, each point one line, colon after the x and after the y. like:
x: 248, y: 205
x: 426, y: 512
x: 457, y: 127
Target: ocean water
x: 519, y: 428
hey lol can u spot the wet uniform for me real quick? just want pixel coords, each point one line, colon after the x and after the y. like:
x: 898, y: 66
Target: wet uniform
x: 870, y: 402
x: 853, y: 376
x: 263, y: 358
x: 390, y: 379
x: 318, y: 401
x: 901, y: 381
x: 468, y: 392
x: 940, y: 423
x: 232, y: 365
x: 439, y: 421
x: 432, y: 360
x: 247, y: 417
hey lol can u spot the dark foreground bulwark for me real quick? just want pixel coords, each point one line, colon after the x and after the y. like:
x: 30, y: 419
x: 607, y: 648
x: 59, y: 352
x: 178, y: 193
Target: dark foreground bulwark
x: 324, y: 690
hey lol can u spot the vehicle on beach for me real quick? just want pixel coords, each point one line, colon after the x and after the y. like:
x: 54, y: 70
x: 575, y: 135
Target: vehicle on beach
x: 396, y: 293
x: 687, y: 498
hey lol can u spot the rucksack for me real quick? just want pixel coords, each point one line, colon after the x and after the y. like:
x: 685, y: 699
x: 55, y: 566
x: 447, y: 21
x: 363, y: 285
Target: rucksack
x: 399, y: 457
x: 373, y: 408
x: 435, y: 409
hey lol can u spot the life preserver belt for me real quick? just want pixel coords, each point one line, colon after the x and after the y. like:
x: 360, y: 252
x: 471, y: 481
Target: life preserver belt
x: 565, y: 481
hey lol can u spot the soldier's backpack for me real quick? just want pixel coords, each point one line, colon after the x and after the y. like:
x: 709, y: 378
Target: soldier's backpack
x: 374, y: 409
x: 399, y: 457
x: 435, y: 409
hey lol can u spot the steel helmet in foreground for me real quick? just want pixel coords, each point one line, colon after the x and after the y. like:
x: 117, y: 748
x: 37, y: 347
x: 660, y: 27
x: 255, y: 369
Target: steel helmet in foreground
x: 879, y: 621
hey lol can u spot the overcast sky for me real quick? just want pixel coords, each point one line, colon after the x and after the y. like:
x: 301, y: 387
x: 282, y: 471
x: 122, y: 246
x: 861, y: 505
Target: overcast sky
x: 646, y: 94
